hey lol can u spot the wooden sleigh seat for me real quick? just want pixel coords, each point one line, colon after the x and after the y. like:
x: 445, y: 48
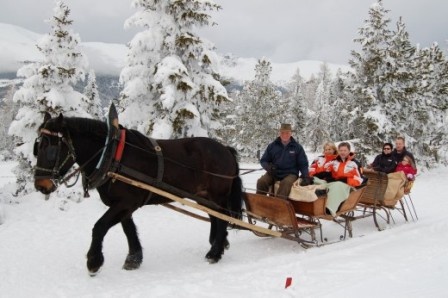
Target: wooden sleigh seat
x: 373, y: 202
x: 294, y: 218
x: 316, y: 210
x: 279, y: 214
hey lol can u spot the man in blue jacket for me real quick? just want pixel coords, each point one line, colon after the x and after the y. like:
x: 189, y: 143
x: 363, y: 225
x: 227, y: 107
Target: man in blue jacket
x: 284, y: 160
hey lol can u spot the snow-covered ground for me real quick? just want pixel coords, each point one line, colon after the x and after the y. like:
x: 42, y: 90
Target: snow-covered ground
x: 42, y: 252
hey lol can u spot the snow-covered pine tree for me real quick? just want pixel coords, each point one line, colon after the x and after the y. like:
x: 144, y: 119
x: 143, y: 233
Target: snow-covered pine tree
x: 428, y: 114
x: 370, y: 78
x: 92, y: 97
x: 401, y: 72
x: 297, y: 106
x: 339, y: 108
x: 319, y: 123
x: 171, y: 84
x: 47, y: 88
x: 8, y: 109
x: 227, y: 133
x: 260, y: 112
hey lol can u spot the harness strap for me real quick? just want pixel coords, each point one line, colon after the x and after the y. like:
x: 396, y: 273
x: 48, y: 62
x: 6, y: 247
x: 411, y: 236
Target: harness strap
x: 160, y: 166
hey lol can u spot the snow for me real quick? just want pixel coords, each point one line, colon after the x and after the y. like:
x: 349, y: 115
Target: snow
x: 44, y: 243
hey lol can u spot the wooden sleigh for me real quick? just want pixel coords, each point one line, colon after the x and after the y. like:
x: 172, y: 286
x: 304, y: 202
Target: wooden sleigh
x: 374, y: 204
x: 290, y: 219
x: 268, y: 215
x: 301, y: 218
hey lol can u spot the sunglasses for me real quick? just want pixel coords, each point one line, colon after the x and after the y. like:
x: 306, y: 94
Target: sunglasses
x: 387, y: 148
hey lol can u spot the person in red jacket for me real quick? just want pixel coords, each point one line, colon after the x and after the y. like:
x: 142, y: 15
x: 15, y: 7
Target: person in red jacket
x: 408, y: 167
x: 319, y: 166
x: 345, y: 167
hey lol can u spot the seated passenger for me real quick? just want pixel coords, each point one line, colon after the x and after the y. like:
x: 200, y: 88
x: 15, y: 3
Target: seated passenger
x: 408, y: 167
x: 400, y: 151
x: 284, y: 160
x: 317, y: 168
x: 345, y: 167
x: 384, y: 162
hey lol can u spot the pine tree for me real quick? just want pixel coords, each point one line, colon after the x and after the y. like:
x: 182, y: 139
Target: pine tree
x: 400, y: 66
x: 428, y: 130
x: 340, y: 108
x: 92, y: 97
x: 319, y: 124
x: 170, y: 79
x: 297, y: 106
x: 47, y: 88
x: 8, y: 110
x: 399, y: 90
x: 371, y: 78
x: 260, y: 111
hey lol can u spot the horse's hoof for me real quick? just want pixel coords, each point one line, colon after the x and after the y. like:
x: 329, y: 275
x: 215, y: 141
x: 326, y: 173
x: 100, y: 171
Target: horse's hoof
x: 94, y: 272
x: 213, y: 258
x: 94, y: 264
x: 133, y: 261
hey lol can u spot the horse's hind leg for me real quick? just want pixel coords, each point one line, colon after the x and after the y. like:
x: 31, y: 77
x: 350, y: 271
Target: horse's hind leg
x: 95, y: 258
x: 218, y: 239
x: 135, y: 255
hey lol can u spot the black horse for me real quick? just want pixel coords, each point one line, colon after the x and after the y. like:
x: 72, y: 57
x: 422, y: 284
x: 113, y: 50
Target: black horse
x: 199, y: 166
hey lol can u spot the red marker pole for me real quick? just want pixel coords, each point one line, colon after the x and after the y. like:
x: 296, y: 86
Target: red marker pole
x: 288, y: 282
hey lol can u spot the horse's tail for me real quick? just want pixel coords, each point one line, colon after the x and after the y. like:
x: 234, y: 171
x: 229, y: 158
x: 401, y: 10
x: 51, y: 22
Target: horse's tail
x: 236, y: 195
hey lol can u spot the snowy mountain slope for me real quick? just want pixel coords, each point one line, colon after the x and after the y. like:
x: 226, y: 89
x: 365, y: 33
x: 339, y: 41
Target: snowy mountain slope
x: 18, y: 45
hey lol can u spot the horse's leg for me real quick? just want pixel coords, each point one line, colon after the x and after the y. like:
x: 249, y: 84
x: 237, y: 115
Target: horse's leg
x: 212, y: 236
x: 95, y: 258
x: 213, y: 227
x: 135, y: 255
x: 219, y: 239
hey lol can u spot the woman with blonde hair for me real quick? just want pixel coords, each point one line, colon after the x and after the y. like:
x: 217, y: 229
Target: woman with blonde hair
x: 318, y: 166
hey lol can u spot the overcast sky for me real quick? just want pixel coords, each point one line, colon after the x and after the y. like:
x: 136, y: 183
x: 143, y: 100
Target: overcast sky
x: 281, y: 30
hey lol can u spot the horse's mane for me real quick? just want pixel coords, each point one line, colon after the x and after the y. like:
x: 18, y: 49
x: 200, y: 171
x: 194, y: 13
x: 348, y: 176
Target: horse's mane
x: 83, y: 126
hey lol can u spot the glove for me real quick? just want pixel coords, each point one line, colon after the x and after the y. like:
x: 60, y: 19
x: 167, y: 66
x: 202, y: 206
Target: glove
x: 272, y: 170
x: 306, y: 181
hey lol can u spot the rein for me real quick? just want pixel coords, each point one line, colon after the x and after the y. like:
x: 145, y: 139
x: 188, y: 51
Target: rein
x: 79, y: 169
x: 183, y: 165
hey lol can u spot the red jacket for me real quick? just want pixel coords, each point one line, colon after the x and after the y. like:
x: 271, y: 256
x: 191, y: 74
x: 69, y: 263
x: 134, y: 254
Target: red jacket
x: 407, y: 169
x: 320, y: 164
x: 346, y: 170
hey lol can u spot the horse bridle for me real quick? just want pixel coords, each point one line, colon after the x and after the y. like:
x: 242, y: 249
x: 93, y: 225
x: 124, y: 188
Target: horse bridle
x: 54, y: 175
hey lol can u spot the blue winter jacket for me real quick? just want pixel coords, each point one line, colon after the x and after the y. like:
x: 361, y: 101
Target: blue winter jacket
x: 289, y: 159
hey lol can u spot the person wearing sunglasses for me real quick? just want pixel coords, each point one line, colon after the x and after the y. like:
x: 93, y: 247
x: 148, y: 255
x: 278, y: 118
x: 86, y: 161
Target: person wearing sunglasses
x: 384, y: 162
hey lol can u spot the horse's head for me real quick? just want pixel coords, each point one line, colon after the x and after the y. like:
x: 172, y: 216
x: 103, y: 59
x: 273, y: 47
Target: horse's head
x: 55, y: 154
